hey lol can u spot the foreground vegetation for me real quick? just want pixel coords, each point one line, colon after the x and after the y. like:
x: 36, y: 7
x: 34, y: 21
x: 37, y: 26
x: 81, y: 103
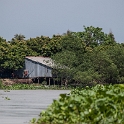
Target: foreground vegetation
x: 97, y: 105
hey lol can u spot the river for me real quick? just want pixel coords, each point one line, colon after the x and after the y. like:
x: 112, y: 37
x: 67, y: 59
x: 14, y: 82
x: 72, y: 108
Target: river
x: 20, y: 106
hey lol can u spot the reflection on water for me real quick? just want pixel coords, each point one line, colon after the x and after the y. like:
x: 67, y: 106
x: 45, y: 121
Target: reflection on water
x: 25, y: 104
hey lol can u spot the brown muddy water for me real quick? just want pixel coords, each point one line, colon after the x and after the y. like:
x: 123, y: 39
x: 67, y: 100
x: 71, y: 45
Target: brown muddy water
x: 20, y: 106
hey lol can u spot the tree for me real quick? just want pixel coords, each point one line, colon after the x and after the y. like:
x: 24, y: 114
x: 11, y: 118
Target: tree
x: 110, y: 39
x: 19, y: 37
x: 4, y: 47
x: 86, y: 56
x: 15, y: 54
x: 116, y: 54
x: 91, y: 36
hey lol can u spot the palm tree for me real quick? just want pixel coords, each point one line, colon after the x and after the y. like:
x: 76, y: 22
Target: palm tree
x: 19, y: 37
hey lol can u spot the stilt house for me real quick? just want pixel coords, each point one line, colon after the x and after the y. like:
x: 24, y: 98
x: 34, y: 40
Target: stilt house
x: 36, y: 67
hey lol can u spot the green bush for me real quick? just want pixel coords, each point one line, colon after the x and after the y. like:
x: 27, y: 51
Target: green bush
x: 44, y: 83
x: 96, y: 105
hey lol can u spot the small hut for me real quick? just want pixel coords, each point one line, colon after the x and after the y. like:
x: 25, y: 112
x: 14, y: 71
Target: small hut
x: 38, y: 67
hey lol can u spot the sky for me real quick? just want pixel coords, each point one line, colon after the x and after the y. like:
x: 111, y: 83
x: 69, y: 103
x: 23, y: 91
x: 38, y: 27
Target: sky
x: 34, y: 18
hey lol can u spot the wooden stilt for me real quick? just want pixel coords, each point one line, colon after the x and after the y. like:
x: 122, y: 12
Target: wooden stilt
x: 61, y: 81
x: 49, y: 81
x: 54, y: 82
x: 38, y: 80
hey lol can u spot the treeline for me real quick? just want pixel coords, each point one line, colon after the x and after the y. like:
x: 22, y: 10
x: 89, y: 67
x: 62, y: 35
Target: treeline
x: 12, y: 53
x: 90, y: 56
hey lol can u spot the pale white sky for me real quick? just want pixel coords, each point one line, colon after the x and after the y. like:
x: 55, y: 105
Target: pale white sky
x: 47, y: 17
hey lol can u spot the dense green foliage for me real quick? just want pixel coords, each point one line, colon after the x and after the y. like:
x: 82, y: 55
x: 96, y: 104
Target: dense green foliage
x: 97, y: 105
x: 90, y: 56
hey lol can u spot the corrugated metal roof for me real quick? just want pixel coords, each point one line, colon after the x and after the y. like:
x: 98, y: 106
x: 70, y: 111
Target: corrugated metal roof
x: 43, y: 60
